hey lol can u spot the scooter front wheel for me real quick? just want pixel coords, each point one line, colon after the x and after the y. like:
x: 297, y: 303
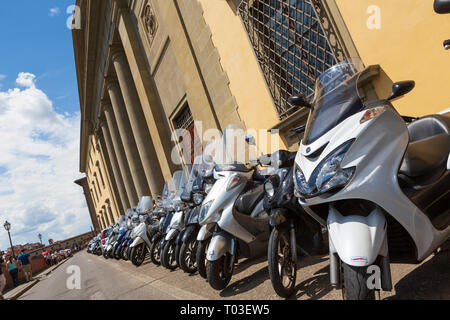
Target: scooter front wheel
x: 355, y: 284
x: 282, y: 269
x: 200, y: 257
x: 155, y: 252
x: 138, y: 254
x: 187, y: 256
x: 168, y: 258
x: 219, y: 272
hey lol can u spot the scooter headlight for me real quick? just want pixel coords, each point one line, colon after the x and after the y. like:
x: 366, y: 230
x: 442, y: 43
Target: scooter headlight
x: 271, y: 184
x: 270, y: 190
x: 198, y: 198
x: 208, y: 218
x: 328, y: 174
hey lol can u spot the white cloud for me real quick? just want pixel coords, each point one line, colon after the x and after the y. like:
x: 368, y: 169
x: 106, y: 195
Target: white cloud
x: 54, y: 12
x: 25, y: 79
x: 38, y: 163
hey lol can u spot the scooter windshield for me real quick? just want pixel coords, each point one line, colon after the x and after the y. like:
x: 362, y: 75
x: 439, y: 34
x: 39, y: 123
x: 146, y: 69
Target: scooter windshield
x: 336, y: 98
x: 233, y: 153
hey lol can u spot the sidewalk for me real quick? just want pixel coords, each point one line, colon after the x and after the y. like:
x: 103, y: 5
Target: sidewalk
x: 15, y: 293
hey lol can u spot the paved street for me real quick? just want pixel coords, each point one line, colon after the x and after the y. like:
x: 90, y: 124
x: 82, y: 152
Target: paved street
x: 112, y: 279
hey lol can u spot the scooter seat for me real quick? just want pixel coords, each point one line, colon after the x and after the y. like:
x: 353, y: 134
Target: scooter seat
x: 429, y: 146
x: 248, y: 201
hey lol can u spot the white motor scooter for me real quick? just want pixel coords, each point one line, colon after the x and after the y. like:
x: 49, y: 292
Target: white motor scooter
x: 168, y: 245
x: 234, y: 207
x: 141, y: 242
x: 381, y: 187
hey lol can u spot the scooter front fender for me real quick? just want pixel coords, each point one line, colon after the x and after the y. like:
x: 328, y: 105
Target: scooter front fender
x: 220, y: 244
x: 358, y: 240
x: 189, y: 233
x: 137, y: 241
x: 171, y: 234
x: 205, y: 232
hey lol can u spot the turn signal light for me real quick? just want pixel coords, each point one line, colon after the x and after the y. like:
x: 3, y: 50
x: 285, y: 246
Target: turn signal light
x: 372, y: 113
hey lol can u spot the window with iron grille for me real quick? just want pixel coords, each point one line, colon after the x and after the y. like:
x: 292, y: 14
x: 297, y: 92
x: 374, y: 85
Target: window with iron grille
x: 189, y: 141
x: 290, y: 44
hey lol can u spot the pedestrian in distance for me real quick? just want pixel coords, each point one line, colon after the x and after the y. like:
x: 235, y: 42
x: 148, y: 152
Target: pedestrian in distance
x: 13, y: 270
x: 24, y: 259
x: 2, y: 277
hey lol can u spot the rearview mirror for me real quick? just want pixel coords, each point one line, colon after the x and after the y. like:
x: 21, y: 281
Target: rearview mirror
x: 299, y: 101
x: 399, y: 89
x: 442, y: 6
x: 250, y: 139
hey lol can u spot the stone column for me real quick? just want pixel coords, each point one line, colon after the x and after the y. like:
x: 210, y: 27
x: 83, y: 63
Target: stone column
x: 126, y: 134
x: 120, y: 153
x: 116, y: 174
x: 138, y: 123
x: 109, y: 173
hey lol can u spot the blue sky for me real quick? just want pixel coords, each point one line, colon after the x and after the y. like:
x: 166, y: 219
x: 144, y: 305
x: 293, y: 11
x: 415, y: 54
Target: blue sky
x: 39, y: 124
x: 33, y: 41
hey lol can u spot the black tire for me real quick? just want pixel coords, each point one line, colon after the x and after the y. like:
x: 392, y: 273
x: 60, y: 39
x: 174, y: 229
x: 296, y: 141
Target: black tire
x: 282, y: 270
x: 188, y: 253
x: 168, y: 259
x: 177, y: 253
x: 355, y: 284
x: 155, y: 252
x: 111, y: 253
x: 138, y: 253
x: 105, y: 254
x: 218, y: 272
x: 117, y: 255
x: 122, y: 252
x: 200, y: 257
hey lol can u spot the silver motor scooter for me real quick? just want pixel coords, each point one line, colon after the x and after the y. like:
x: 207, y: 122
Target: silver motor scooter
x: 381, y: 187
x: 141, y: 243
x: 235, y: 206
x: 168, y: 243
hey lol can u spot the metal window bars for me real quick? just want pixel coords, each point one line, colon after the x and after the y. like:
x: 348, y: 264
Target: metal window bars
x: 290, y: 44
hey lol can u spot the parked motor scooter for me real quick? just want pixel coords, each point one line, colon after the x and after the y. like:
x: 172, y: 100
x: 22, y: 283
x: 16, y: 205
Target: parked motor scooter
x: 293, y: 230
x: 379, y: 185
x: 199, y: 184
x: 168, y: 243
x: 141, y: 243
x: 124, y: 233
x: 235, y: 204
x: 164, y: 210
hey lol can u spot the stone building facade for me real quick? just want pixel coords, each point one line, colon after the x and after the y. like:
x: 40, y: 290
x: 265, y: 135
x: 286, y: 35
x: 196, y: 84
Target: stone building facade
x: 149, y: 67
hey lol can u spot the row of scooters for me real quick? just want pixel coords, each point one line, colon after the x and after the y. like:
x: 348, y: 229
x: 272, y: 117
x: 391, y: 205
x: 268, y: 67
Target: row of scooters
x: 367, y: 186
x: 179, y: 230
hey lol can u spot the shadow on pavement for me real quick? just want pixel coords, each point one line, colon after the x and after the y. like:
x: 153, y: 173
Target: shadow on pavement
x: 315, y: 287
x: 430, y: 281
x: 246, y: 284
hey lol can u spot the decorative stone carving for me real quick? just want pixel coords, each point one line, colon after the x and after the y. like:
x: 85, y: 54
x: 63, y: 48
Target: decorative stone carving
x: 149, y: 21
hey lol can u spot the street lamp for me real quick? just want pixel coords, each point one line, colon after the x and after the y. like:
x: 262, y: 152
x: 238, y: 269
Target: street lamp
x: 40, y: 237
x: 7, y: 226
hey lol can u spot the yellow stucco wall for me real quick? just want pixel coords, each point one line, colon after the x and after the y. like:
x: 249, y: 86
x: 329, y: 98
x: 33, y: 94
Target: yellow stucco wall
x: 247, y: 84
x: 408, y: 46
